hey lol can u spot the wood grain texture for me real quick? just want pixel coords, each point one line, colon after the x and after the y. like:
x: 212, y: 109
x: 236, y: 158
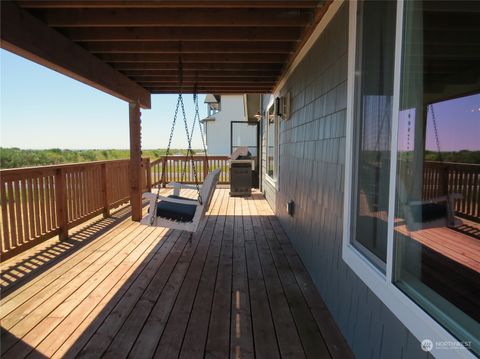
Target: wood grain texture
x: 42, y: 202
x: 140, y: 291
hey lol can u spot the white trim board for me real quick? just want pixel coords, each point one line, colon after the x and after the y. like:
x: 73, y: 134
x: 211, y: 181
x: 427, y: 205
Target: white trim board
x: 412, y: 316
x: 327, y: 17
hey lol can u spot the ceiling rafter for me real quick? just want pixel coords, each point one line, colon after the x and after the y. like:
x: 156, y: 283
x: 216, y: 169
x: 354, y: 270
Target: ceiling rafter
x: 208, y: 33
x: 172, y: 17
x: 93, y: 4
x: 241, y: 58
x: 187, y: 47
x: 222, y: 45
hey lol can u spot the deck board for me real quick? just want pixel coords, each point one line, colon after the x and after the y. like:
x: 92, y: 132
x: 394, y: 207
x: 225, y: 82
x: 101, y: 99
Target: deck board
x: 452, y: 244
x: 287, y: 335
x: 236, y: 289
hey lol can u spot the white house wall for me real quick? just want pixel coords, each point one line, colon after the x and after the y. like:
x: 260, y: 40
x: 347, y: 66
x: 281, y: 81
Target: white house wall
x: 218, y: 131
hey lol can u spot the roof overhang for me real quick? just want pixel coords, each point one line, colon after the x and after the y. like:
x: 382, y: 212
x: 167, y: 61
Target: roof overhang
x: 133, y: 48
x: 208, y: 119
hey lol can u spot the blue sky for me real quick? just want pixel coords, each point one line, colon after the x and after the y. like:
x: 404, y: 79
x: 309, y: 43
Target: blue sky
x: 458, y: 124
x: 41, y: 108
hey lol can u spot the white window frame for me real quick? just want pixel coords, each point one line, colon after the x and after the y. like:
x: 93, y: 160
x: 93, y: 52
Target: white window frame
x: 418, y: 322
x: 273, y: 180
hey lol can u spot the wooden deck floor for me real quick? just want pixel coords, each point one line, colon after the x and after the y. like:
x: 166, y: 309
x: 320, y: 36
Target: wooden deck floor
x: 455, y: 245
x: 238, y: 289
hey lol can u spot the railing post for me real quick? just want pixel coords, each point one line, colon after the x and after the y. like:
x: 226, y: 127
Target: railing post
x: 446, y: 171
x: 205, y: 168
x: 104, y: 183
x: 148, y: 174
x: 61, y: 204
x: 164, y: 173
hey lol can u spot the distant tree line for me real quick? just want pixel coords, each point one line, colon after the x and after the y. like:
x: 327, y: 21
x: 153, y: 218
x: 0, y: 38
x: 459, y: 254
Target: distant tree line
x: 16, y: 157
x: 463, y: 156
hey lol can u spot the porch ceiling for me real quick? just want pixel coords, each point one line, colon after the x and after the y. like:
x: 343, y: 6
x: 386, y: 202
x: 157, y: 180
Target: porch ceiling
x: 235, y: 46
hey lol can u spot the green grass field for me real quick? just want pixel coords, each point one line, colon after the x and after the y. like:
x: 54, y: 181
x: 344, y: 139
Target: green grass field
x: 15, y: 157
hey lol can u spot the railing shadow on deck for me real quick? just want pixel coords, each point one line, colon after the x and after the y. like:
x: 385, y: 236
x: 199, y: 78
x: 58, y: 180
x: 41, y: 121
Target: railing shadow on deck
x: 25, y: 347
x: 20, y: 272
x: 469, y: 230
x: 132, y: 307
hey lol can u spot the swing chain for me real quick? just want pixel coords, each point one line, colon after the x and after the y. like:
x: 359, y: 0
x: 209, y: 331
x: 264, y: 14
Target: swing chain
x: 171, y: 133
x: 435, y: 129
x: 189, y: 150
x: 179, y: 105
x: 197, y: 115
x: 196, y: 119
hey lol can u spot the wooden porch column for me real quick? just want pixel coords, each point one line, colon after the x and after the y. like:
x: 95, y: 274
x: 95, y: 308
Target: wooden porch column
x: 135, y: 162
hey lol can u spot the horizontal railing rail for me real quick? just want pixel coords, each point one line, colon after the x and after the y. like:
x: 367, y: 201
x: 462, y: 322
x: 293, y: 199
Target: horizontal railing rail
x: 181, y: 169
x: 450, y: 177
x: 38, y: 203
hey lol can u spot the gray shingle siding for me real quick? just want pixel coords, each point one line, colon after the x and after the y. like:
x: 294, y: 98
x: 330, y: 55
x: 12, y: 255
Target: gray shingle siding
x: 311, y: 172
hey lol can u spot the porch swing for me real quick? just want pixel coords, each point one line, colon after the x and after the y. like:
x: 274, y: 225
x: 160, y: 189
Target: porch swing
x: 175, y: 211
x: 436, y: 208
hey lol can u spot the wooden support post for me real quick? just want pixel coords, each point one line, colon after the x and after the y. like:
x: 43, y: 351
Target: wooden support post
x: 135, y: 162
x: 61, y: 204
x: 105, y: 185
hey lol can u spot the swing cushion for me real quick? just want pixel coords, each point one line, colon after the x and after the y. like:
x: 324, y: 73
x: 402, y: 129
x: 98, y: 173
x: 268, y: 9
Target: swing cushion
x: 177, y: 211
x: 427, y: 212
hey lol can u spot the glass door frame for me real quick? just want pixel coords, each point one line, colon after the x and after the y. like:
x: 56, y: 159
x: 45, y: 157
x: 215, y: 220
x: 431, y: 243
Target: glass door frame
x: 413, y: 317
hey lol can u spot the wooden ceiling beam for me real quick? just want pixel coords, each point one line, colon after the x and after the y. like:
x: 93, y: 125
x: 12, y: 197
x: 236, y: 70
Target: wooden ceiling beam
x: 159, y: 74
x: 237, y: 84
x: 249, y: 34
x: 226, y: 84
x: 165, y: 4
x: 26, y: 36
x: 451, y: 20
x: 458, y: 50
x: 209, y: 88
x: 193, y: 80
x: 212, y: 90
x: 173, y: 17
x: 211, y: 66
x: 457, y: 6
x: 197, y: 58
x: 188, y: 47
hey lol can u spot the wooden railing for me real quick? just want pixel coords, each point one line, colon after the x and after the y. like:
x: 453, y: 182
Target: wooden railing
x: 181, y: 169
x: 463, y: 178
x: 39, y: 203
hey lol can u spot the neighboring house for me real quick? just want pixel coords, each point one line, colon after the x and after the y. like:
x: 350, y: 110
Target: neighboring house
x: 373, y: 219
x: 227, y: 124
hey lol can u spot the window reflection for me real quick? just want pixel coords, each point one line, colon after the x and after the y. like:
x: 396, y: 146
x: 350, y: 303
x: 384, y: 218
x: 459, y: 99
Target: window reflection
x: 437, y: 220
x: 272, y: 135
x: 372, y: 122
